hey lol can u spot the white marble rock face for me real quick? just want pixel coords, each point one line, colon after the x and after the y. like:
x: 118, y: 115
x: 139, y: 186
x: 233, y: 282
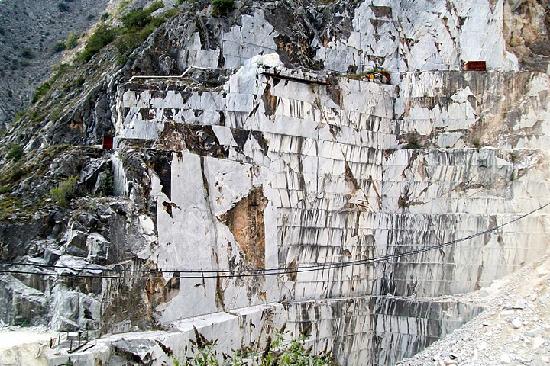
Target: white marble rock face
x: 286, y: 170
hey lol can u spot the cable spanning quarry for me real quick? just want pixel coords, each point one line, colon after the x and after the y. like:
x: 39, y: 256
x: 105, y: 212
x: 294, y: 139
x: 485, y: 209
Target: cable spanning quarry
x: 120, y: 273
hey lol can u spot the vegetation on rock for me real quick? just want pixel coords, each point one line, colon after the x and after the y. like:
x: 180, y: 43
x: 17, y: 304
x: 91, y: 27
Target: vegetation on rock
x: 15, y: 152
x: 42, y: 90
x: 102, y: 36
x: 65, y: 191
x: 137, y: 25
x: 413, y: 142
x: 71, y: 41
x: 277, y: 353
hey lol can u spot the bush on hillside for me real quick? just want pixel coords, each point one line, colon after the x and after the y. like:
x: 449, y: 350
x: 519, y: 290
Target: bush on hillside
x: 71, y: 41
x: 102, y: 36
x: 15, y: 152
x: 65, y: 191
x: 42, y: 90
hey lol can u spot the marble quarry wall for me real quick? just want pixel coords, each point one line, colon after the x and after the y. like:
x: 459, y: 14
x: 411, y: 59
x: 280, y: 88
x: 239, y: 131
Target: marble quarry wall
x: 284, y: 168
x: 268, y: 166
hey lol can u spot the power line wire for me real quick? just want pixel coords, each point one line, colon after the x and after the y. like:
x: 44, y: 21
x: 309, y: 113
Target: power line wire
x: 276, y: 271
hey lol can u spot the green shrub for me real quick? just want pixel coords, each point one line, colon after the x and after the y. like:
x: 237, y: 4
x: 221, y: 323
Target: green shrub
x: 155, y: 6
x: 71, y: 41
x: 122, y: 6
x: 56, y: 113
x: 5, y: 189
x: 276, y: 354
x: 140, y: 18
x: 59, y: 47
x: 169, y: 13
x: 19, y: 115
x: 15, y: 152
x: 73, y: 84
x: 222, y: 7
x: 65, y: 191
x: 138, y: 25
x: 41, y: 91
x: 130, y: 40
x: 102, y: 36
x: 37, y: 116
x: 8, y: 205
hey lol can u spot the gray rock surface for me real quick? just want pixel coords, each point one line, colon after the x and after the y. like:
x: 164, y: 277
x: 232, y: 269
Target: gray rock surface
x: 29, y: 32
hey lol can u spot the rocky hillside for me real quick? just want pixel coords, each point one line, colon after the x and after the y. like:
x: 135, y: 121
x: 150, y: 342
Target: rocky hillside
x: 324, y: 167
x: 33, y: 37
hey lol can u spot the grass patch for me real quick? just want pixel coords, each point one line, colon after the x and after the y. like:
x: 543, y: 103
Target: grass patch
x: 65, y: 191
x: 122, y: 6
x: 14, y: 173
x: 59, y: 47
x: 139, y: 18
x: 19, y: 115
x: 44, y: 88
x: 138, y: 24
x: 37, y: 116
x: 8, y: 205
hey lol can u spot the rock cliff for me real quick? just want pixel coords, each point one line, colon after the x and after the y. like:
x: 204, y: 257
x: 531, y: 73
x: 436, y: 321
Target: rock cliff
x: 261, y: 179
